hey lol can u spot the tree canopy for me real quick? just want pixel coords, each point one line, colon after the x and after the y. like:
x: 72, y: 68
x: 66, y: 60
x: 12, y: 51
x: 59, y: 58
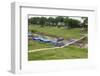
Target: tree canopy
x: 59, y: 21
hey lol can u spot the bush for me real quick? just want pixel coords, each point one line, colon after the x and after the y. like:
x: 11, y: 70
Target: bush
x: 33, y: 31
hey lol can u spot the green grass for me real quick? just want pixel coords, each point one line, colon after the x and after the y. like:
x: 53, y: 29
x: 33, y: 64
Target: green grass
x: 38, y: 45
x: 70, y: 52
x: 60, y: 32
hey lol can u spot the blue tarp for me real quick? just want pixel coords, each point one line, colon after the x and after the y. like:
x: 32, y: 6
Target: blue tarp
x: 54, y: 41
x: 43, y: 39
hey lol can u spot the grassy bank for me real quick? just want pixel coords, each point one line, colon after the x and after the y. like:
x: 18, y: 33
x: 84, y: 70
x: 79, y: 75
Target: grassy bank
x: 70, y: 52
x: 60, y: 32
x: 32, y: 45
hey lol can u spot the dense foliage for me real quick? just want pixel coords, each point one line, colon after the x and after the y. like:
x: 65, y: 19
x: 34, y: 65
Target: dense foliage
x: 59, y: 21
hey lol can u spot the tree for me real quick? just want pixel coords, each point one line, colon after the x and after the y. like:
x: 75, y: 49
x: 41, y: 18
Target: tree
x: 84, y: 23
x: 71, y: 23
x: 51, y: 21
x: 66, y: 22
x: 59, y: 21
x: 42, y: 21
x: 34, y: 20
